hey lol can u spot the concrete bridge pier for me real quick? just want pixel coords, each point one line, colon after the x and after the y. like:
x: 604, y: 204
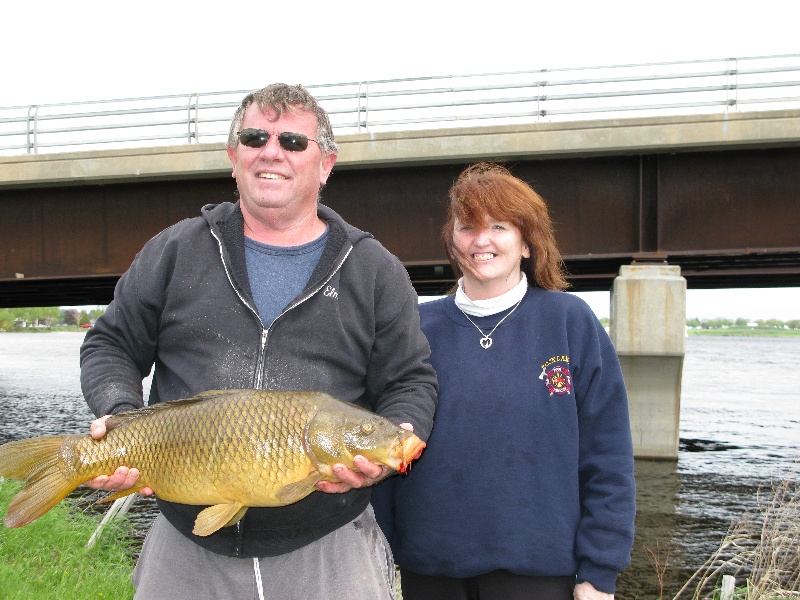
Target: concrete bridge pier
x: 648, y: 329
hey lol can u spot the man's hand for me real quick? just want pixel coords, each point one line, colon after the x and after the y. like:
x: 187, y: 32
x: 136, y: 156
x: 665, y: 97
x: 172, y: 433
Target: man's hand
x: 368, y: 473
x: 123, y: 478
x: 586, y: 591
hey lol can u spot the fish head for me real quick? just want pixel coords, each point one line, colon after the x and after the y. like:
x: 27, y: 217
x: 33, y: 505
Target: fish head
x: 337, y: 437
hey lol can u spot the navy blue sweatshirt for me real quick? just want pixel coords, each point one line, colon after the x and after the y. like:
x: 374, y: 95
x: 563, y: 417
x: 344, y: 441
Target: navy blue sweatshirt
x: 529, y: 466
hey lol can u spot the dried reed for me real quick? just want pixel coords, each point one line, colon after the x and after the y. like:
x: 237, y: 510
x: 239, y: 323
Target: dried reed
x: 761, y: 550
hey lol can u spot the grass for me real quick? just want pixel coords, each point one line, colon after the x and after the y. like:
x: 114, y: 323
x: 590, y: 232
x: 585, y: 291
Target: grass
x: 48, y: 559
x: 761, y: 551
x: 745, y: 332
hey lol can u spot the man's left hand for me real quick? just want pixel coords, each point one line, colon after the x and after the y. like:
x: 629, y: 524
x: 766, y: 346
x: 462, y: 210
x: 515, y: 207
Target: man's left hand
x: 586, y: 591
x: 368, y: 473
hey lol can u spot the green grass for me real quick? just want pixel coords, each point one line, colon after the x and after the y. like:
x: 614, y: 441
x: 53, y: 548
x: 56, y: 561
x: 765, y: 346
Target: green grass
x: 49, y: 559
x: 745, y: 332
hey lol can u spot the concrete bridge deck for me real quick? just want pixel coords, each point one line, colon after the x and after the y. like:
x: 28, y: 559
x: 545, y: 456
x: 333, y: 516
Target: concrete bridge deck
x: 604, y: 137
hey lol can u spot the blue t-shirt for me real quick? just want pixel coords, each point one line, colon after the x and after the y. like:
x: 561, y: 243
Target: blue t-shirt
x: 278, y: 274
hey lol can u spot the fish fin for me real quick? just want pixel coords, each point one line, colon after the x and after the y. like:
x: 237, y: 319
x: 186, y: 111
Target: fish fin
x: 298, y: 490
x: 35, y: 461
x: 216, y: 517
x: 115, y: 421
x: 121, y: 494
x: 237, y: 517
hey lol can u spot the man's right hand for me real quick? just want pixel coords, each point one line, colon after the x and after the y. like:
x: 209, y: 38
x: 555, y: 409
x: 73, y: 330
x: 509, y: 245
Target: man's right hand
x: 123, y: 478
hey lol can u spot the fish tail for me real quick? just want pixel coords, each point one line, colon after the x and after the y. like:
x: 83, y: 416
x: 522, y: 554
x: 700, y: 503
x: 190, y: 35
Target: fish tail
x: 35, y: 461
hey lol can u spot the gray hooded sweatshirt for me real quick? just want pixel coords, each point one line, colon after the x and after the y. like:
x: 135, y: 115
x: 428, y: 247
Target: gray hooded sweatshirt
x: 185, y: 308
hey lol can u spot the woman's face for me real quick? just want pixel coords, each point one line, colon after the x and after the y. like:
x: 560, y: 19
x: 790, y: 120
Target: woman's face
x: 489, y: 257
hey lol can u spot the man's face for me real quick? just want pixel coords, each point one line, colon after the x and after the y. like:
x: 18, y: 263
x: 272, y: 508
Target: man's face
x: 273, y: 178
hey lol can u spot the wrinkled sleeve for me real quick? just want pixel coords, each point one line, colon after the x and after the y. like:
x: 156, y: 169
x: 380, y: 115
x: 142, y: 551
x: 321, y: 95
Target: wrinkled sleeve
x: 400, y: 377
x: 608, y: 494
x: 118, y: 352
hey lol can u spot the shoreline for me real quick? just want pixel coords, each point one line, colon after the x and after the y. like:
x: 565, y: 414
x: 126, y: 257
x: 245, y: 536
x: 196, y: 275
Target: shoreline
x: 767, y: 332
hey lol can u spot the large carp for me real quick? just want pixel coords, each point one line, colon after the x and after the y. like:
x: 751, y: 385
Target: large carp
x: 230, y: 449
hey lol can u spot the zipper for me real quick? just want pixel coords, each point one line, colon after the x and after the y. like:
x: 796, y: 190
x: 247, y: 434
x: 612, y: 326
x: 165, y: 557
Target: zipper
x: 265, y: 334
x: 259, y: 379
x: 237, y: 550
x: 311, y: 294
x: 262, y: 351
x: 262, y: 358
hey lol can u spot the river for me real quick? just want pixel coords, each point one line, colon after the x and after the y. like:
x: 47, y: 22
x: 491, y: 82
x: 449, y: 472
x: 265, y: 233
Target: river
x: 740, y: 422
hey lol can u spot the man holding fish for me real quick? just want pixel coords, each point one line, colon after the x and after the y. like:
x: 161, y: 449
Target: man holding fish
x: 273, y: 292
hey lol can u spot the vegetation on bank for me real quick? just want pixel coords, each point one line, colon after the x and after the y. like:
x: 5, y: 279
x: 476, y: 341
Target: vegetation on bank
x: 740, y: 323
x: 745, y: 332
x: 737, y: 327
x: 760, y: 552
x: 47, y: 318
x: 53, y: 318
x: 48, y: 559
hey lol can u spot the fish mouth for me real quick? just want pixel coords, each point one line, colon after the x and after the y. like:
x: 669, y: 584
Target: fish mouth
x: 411, y: 448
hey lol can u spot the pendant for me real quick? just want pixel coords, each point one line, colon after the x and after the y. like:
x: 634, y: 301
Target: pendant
x: 486, y: 342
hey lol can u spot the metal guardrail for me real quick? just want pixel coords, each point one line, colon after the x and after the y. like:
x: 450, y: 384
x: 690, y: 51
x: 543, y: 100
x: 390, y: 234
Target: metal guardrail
x: 688, y: 87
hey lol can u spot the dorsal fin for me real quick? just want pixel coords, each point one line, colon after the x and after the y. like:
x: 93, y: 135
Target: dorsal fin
x: 115, y: 421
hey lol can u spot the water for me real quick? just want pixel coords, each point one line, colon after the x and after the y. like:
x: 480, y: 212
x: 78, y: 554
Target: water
x: 40, y: 394
x: 740, y: 422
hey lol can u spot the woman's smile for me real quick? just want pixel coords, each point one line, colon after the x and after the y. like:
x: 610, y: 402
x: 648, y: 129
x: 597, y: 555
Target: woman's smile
x: 490, y: 257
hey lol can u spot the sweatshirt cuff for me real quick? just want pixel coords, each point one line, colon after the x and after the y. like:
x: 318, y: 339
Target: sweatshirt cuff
x: 121, y: 408
x: 602, y: 578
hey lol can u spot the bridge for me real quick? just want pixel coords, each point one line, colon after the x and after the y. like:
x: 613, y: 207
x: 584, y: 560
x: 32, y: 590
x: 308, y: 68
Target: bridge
x: 702, y: 193
x: 716, y: 195
x: 708, y: 183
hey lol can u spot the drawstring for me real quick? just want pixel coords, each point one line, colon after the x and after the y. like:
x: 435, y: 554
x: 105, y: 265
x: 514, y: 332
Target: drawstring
x: 259, y: 584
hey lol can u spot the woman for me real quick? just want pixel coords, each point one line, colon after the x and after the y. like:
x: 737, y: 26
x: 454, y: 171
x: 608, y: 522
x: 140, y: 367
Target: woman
x: 526, y: 488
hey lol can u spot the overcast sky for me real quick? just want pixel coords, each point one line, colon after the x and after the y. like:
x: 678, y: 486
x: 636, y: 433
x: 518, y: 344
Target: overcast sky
x: 55, y: 51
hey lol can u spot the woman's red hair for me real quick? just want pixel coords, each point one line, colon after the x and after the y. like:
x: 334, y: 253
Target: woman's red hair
x: 489, y: 191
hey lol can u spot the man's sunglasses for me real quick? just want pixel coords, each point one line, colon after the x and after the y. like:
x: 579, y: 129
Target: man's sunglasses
x: 258, y: 138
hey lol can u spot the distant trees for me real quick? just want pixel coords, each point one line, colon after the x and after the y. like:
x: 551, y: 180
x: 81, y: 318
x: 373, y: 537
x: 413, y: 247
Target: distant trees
x: 47, y: 317
x: 51, y: 316
x: 712, y: 323
x: 71, y: 317
x: 40, y: 316
x: 741, y: 322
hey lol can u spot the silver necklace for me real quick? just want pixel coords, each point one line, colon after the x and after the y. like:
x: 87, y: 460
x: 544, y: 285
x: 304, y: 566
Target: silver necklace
x: 486, y: 340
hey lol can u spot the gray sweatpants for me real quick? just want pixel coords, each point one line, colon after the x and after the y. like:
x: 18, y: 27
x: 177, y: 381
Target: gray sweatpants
x: 353, y: 562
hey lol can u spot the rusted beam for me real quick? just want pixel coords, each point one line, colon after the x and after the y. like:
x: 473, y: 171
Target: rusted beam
x: 728, y: 218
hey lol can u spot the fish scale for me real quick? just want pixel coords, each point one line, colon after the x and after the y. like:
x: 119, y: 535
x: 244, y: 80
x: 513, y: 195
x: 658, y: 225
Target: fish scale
x: 228, y: 449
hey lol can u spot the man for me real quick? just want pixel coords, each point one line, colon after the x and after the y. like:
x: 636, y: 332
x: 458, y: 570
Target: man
x: 274, y: 292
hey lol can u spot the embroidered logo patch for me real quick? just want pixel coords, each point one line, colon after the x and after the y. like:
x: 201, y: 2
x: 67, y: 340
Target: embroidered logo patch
x: 556, y: 377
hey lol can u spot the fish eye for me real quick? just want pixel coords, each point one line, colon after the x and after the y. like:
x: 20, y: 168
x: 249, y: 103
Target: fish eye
x: 367, y: 427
